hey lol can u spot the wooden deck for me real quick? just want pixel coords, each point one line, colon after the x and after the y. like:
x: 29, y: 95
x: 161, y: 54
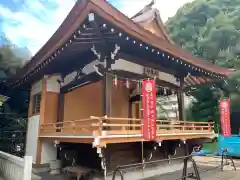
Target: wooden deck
x: 104, y: 130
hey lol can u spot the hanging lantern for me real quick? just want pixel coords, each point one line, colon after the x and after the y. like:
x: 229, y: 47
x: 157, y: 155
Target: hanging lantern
x: 115, y: 81
x: 164, y: 91
x: 121, y: 83
x: 127, y: 84
x: 139, y: 86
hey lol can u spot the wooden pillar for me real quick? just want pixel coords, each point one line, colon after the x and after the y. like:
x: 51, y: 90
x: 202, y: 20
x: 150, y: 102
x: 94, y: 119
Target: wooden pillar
x: 60, y: 107
x: 41, y: 120
x: 180, y: 97
x: 130, y: 104
x: 107, y: 93
x: 48, y: 114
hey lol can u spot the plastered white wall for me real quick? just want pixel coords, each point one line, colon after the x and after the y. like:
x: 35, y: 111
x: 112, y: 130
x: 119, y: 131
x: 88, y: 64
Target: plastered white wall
x: 53, y: 84
x: 32, y: 137
x: 87, y: 69
x: 33, y: 126
x: 49, y: 152
x: 36, y: 88
x: 125, y: 65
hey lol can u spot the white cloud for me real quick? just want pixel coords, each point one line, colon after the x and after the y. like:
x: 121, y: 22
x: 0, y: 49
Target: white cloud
x: 26, y: 27
x: 34, y: 23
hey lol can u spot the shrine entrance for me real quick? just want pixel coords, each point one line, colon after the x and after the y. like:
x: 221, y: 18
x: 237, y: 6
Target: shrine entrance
x: 136, y: 113
x: 136, y: 109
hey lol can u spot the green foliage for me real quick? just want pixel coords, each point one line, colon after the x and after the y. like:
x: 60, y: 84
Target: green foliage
x: 205, y: 106
x: 12, y: 123
x: 211, y: 147
x: 210, y: 29
x: 9, y: 63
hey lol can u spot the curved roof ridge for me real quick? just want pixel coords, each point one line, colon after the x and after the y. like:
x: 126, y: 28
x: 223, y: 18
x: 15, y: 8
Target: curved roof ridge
x: 76, y: 17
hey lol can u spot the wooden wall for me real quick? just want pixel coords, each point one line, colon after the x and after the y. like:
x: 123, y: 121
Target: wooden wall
x: 119, y: 102
x: 86, y: 101
x: 51, y: 106
x: 83, y: 102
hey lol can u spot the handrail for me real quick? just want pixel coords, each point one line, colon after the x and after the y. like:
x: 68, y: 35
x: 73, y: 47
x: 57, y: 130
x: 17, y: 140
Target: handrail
x: 136, y: 119
x: 120, y: 126
x: 80, y: 120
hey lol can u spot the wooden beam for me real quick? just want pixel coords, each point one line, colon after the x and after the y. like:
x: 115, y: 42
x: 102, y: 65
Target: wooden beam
x: 107, y: 93
x: 93, y: 77
x: 60, y: 107
x: 146, y: 63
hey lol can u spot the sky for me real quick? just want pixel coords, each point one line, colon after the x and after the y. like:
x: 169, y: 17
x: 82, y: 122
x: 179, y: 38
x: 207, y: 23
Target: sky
x: 30, y: 23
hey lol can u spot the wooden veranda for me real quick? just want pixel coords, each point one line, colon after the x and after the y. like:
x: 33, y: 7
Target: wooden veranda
x: 104, y: 130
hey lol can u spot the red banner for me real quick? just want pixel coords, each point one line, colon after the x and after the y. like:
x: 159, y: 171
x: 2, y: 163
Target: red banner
x: 149, y: 109
x: 225, y: 117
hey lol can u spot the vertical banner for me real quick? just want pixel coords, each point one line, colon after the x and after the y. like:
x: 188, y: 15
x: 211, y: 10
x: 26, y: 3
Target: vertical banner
x: 225, y: 117
x: 149, y: 109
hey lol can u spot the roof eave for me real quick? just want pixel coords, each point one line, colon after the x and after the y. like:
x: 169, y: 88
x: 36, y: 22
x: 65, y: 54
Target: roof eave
x: 104, y: 9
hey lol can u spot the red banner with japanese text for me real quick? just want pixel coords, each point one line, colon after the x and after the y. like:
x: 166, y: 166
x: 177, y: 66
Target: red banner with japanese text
x: 149, y: 109
x: 225, y: 117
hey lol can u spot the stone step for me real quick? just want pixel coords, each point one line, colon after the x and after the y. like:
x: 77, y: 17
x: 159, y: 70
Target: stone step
x: 40, y: 168
x: 35, y: 177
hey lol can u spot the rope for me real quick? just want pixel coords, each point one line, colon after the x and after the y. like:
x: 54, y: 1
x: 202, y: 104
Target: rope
x: 134, y: 80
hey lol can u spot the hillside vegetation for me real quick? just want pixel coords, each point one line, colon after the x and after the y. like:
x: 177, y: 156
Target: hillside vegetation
x: 210, y: 29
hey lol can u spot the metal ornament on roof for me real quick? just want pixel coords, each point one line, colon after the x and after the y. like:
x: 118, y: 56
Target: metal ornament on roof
x: 99, y: 63
x: 114, y: 53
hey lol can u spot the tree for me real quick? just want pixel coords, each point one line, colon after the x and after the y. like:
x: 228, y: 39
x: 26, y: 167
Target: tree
x: 9, y: 63
x: 14, y: 112
x: 210, y: 29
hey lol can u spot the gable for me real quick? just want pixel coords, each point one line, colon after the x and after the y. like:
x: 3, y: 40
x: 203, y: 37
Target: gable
x: 154, y: 28
x: 151, y: 21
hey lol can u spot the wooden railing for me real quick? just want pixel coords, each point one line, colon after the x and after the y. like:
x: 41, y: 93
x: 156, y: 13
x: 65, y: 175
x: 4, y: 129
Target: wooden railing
x: 105, y: 126
x: 77, y: 127
x: 117, y: 126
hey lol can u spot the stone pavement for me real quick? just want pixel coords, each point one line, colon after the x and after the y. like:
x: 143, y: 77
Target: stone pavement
x: 209, y: 169
x: 206, y: 173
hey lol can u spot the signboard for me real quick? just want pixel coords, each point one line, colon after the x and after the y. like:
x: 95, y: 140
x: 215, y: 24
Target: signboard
x: 149, y: 109
x: 150, y: 72
x: 225, y: 117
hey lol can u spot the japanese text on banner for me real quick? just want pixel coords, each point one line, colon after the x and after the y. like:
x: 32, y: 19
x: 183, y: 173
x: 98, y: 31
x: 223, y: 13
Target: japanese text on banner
x: 149, y: 109
x: 225, y: 117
